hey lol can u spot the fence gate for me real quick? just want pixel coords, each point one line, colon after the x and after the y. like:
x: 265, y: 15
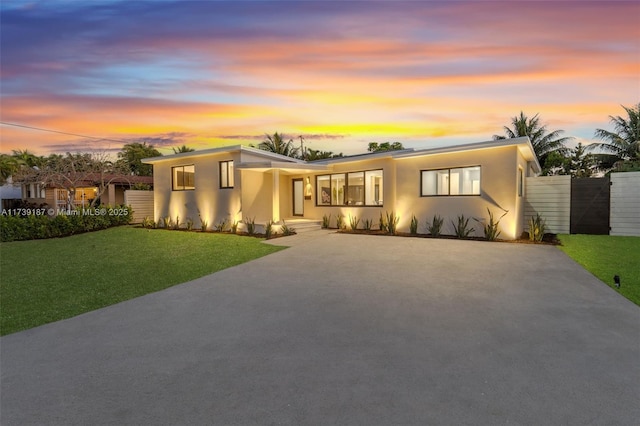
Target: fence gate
x: 590, y: 206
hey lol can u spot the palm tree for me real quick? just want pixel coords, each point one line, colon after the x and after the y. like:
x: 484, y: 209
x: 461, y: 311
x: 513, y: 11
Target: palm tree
x: 275, y: 143
x: 181, y: 149
x: 8, y: 166
x: 24, y: 157
x: 624, y: 142
x: 316, y: 154
x: 543, y: 141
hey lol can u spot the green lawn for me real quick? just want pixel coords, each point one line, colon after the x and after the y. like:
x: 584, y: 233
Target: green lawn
x: 47, y: 280
x: 605, y: 256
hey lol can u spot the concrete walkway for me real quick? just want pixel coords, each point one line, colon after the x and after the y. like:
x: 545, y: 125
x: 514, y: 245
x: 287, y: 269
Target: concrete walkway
x: 347, y: 330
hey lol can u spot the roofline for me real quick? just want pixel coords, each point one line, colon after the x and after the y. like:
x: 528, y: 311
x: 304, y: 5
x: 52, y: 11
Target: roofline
x: 523, y: 141
x: 364, y: 156
x: 212, y: 151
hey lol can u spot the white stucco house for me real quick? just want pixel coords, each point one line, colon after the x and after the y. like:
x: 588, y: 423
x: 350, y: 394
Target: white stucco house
x: 239, y: 182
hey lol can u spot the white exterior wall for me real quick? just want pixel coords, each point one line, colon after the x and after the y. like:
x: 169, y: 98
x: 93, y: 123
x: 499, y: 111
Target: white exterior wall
x: 207, y: 200
x: 625, y: 204
x: 498, y: 191
x: 549, y: 196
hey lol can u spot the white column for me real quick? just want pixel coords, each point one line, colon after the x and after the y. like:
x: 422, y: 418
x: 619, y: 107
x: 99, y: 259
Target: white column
x: 276, y: 195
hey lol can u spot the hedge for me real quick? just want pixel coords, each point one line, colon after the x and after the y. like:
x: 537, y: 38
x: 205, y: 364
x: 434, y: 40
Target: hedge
x: 32, y: 227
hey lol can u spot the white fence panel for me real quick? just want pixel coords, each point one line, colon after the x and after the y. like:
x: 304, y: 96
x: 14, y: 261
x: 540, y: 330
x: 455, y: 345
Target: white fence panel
x: 141, y: 202
x: 624, y: 218
x: 550, y: 197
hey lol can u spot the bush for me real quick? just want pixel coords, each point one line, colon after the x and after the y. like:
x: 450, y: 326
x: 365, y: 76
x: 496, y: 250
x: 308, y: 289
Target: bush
x: 413, y: 226
x: 354, y: 222
x: 340, y: 221
x: 462, y: 230
x: 435, y: 227
x: 392, y: 223
x: 268, y: 229
x: 286, y: 229
x: 537, y: 226
x: 326, y: 221
x: 491, y: 232
x: 33, y: 227
x: 368, y: 223
x: 251, y: 225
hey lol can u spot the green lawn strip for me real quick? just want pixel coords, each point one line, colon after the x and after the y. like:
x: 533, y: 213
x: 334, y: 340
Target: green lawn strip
x: 605, y: 256
x: 48, y: 280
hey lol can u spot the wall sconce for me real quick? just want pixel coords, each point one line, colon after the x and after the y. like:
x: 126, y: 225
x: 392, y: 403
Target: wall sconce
x: 308, y: 190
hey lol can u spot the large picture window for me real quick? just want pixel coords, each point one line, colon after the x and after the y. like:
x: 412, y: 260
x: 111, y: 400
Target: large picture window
x: 183, y: 177
x: 353, y: 189
x: 226, y: 174
x: 458, y: 181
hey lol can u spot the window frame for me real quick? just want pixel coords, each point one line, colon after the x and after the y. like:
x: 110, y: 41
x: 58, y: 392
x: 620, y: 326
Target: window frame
x: 449, y: 194
x: 346, y: 174
x: 220, y: 163
x: 174, y: 187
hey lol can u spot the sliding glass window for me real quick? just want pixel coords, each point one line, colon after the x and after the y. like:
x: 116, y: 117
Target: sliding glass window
x: 353, y: 189
x: 458, y: 181
x: 183, y: 177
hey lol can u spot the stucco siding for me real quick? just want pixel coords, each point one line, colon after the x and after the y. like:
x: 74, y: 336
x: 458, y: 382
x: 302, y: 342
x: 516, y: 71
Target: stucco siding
x: 207, y: 200
x: 497, y: 190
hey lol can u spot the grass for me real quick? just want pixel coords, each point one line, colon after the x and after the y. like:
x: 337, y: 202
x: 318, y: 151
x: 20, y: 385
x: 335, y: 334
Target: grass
x: 605, y: 256
x: 48, y: 280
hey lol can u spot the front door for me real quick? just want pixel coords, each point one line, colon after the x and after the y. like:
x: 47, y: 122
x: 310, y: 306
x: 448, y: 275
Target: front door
x: 298, y: 197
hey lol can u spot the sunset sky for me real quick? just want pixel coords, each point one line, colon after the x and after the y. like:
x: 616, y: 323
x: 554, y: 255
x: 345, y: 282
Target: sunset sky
x: 342, y: 74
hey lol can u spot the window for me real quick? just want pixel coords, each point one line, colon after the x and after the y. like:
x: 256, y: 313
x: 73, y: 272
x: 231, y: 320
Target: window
x: 520, y: 182
x: 458, y: 181
x: 183, y: 177
x: 226, y: 174
x: 353, y: 189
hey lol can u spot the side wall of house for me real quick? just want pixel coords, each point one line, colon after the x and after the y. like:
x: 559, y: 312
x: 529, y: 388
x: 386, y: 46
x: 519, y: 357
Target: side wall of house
x: 498, y: 190
x: 207, y: 201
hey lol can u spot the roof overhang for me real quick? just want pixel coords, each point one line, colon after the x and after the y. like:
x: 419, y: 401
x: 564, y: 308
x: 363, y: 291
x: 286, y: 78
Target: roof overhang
x: 287, y: 168
x: 226, y: 149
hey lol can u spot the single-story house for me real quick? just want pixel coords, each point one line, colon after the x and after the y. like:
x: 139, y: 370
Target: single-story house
x: 238, y: 182
x: 86, y: 191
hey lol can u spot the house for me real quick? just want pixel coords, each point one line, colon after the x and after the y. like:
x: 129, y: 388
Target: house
x: 86, y: 190
x: 238, y: 182
x: 10, y: 194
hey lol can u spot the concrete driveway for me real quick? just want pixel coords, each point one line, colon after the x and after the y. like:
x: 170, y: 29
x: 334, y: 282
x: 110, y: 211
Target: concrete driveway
x: 347, y: 330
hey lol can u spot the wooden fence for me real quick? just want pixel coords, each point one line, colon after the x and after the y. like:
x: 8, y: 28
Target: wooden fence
x: 549, y: 196
x: 141, y: 202
x: 625, y: 204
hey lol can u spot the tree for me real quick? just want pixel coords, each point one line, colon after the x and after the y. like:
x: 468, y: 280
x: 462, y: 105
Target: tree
x: 543, y: 141
x: 556, y: 164
x: 24, y: 157
x: 582, y: 164
x: 623, y: 143
x: 385, y: 146
x: 8, y: 166
x: 72, y: 171
x: 181, y: 149
x: 316, y: 154
x: 132, y: 154
x: 275, y: 143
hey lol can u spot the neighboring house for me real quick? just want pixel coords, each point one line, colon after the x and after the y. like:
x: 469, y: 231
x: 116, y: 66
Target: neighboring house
x: 86, y: 191
x: 235, y: 183
x: 10, y: 194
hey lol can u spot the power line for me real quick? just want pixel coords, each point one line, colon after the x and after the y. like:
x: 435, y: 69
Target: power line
x: 63, y: 133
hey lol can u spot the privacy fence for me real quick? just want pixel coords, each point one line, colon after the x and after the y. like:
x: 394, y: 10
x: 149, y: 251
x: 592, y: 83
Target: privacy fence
x: 141, y: 203
x: 608, y: 205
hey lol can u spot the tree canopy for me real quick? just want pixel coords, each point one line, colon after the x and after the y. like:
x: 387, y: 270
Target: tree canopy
x: 544, y: 141
x: 276, y: 143
x: 623, y: 143
x: 384, y: 146
x: 133, y: 153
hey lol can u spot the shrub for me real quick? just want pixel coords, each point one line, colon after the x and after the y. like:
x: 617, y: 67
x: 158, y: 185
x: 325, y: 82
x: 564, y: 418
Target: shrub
x: 435, y: 227
x: 382, y: 223
x: 176, y: 225
x: 287, y: 230
x: 413, y: 226
x: 340, y: 221
x: 234, y: 227
x: 368, y: 223
x: 189, y: 224
x: 491, y: 232
x: 392, y: 223
x: 268, y: 229
x: 462, y: 230
x: 537, y: 226
x: 221, y: 225
x: 354, y: 222
x: 31, y: 227
x: 203, y: 224
x: 251, y: 225
x: 166, y: 222
x: 326, y: 221
x: 147, y: 222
